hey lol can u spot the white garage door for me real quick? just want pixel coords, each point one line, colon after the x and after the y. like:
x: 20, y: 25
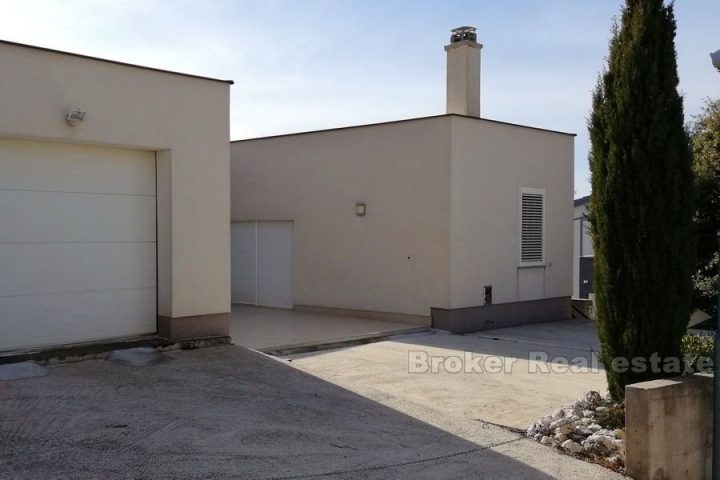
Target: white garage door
x: 77, y: 243
x: 262, y: 263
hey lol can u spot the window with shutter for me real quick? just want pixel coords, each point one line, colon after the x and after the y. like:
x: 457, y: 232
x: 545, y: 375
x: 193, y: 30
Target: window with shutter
x: 532, y: 226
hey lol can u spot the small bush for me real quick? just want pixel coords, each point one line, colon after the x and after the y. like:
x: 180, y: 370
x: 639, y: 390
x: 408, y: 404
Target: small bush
x: 613, y: 417
x: 695, y: 347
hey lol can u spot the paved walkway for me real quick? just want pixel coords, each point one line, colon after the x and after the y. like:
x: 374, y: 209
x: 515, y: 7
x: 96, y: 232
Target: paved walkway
x: 229, y: 413
x: 266, y: 328
x: 523, y: 376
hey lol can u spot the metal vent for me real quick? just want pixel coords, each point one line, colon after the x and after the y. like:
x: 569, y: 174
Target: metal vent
x: 531, y: 227
x: 463, y: 33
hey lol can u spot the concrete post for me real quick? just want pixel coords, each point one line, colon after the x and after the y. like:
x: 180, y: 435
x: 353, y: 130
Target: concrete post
x: 669, y: 429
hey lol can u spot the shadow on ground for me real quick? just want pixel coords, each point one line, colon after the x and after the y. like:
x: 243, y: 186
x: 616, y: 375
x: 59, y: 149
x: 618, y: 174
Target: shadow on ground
x: 227, y: 412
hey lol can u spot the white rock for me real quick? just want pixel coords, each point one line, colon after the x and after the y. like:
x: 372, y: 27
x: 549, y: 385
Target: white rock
x: 573, y: 411
x: 594, y: 427
x: 600, y: 444
x: 592, y: 398
x: 572, y: 447
x: 557, y: 423
x: 583, y: 430
x: 575, y: 429
x: 565, y: 429
x: 535, y: 429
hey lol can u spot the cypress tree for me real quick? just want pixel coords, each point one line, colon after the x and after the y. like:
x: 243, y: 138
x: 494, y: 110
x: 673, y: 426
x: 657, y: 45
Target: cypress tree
x: 642, y: 196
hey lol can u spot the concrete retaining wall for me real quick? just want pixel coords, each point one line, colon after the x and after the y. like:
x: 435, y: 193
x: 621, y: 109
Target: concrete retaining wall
x: 669, y: 428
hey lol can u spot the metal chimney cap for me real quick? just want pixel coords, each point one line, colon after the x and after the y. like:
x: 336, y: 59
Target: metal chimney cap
x: 463, y: 33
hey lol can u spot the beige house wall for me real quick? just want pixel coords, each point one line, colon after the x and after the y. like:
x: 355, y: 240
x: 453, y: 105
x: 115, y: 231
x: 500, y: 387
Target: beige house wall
x: 442, y: 221
x: 184, y: 119
x: 491, y: 161
x: 394, y: 259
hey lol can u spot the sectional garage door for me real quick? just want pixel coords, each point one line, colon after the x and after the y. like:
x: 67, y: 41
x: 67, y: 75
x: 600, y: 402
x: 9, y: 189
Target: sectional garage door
x: 77, y: 243
x: 262, y: 263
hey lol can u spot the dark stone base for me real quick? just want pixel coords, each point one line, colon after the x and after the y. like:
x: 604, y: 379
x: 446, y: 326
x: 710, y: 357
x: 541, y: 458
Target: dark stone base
x: 95, y: 350
x: 487, y: 317
x: 196, y: 326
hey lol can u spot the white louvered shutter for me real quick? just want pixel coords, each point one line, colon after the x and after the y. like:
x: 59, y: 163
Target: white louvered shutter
x: 532, y: 226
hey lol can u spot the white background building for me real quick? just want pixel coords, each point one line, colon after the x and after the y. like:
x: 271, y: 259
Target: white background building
x: 465, y: 219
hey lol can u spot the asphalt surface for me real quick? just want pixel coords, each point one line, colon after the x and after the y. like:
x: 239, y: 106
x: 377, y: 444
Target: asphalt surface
x: 227, y: 412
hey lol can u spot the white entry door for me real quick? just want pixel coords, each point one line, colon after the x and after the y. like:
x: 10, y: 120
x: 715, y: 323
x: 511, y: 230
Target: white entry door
x: 77, y: 243
x: 262, y: 263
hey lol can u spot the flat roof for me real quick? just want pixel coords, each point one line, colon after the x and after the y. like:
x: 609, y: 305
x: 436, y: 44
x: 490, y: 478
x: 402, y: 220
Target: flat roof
x: 88, y: 57
x: 403, y: 121
x: 581, y: 201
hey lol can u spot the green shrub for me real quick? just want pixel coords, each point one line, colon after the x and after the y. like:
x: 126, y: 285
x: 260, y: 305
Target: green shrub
x: 695, y: 347
x: 641, y: 208
x: 613, y: 417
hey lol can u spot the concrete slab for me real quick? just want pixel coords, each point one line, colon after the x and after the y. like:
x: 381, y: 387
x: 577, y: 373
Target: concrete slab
x: 273, y: 328
x: 522, y: 389
x: 227, y: 412
x: 575, y: 333
x: 137, y: 357
x: 18, y: 371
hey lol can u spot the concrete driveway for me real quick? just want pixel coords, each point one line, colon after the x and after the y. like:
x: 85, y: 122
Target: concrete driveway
x: 266, y: 329
x: 227, y: 412
x: 521, y: 376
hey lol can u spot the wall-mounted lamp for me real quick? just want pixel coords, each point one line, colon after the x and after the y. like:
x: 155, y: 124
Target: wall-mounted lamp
x: 75, y: 117
x: 360, y: 209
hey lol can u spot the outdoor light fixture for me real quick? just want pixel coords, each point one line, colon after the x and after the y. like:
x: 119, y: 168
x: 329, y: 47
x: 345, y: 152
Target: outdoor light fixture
x: 715, y: 56
x: 360, y: 209
x: 75, y: 116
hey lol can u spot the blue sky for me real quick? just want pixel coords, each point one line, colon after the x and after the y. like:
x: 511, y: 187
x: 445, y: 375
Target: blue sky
x: 310, y: 64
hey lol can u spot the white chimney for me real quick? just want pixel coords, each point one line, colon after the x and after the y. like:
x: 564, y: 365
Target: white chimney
x: 463, y: 72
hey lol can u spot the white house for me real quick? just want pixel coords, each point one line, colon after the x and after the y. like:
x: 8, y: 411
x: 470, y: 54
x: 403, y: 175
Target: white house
x: 583, y: 253
x: 454, y: 219
x: 114, y: 201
